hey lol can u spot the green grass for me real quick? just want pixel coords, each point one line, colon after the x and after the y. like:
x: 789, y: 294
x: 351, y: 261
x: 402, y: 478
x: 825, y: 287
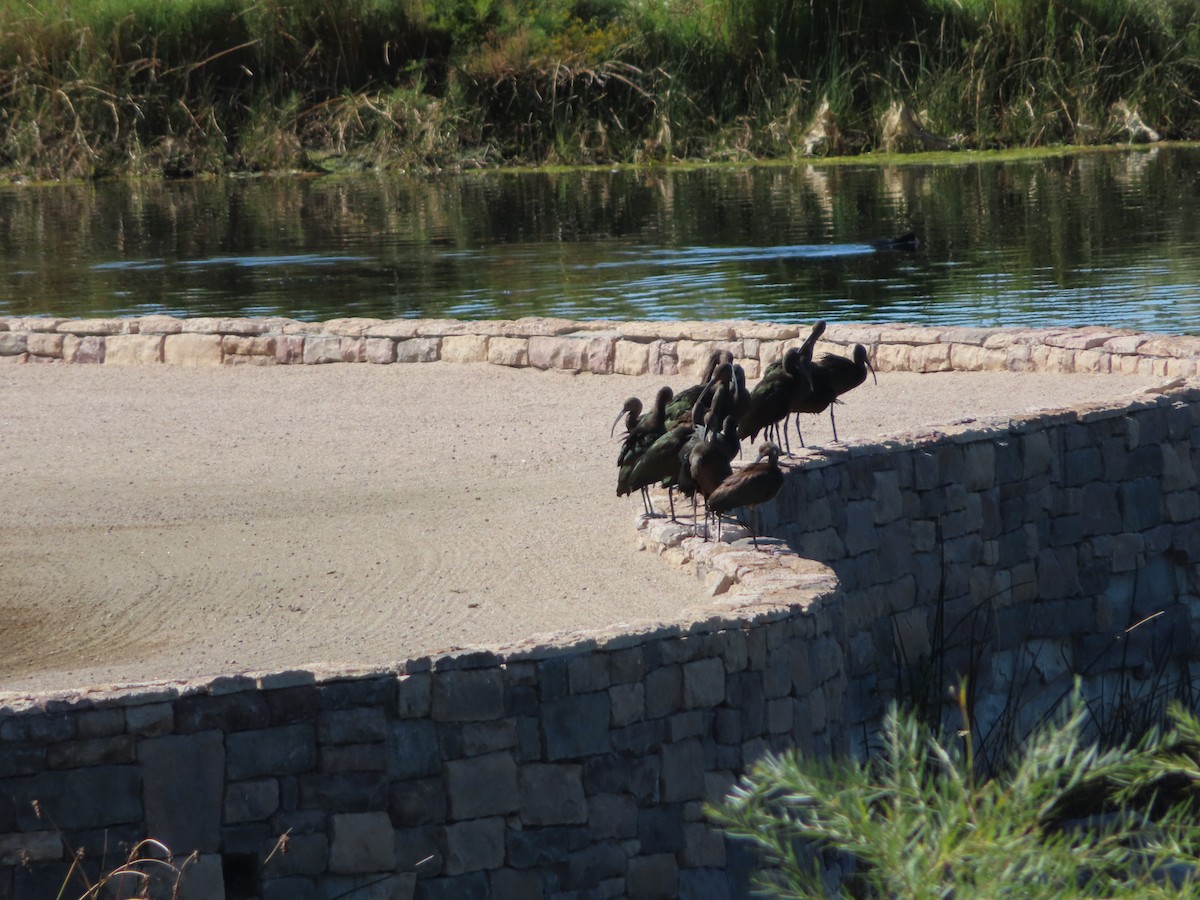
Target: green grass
x: 97, y: 87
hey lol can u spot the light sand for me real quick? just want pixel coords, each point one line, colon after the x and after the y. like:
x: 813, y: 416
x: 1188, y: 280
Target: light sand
x: 168, y: 523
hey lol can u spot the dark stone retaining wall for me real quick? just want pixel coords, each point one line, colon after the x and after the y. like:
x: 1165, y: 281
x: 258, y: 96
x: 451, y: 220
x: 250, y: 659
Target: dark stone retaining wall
x: 577, y: 766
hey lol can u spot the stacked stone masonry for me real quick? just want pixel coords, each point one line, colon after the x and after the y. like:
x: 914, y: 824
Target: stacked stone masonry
x: 1016, y: 552
x: 602, y: 348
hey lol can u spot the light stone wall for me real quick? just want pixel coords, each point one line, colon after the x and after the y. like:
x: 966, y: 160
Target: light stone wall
x: 626, y: 348
x: 1017, y: 552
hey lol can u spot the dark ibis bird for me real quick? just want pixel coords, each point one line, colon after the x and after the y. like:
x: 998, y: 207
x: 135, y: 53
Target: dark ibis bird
x: 772, y: 397
x: 749, y: 486
x: 659, y: 463
x: 686, y: 399
x: 741, y: 394
x: 706, y: 462
x: 632, y: 411
x: 635, y: 421
x: 775, y: 388
x: 639, y: 438
x: 832, y: 376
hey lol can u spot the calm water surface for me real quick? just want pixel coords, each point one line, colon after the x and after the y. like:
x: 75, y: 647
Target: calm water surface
x: 1099, y: 238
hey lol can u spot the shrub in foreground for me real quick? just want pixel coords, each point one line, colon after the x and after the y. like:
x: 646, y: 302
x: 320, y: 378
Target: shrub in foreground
x: 1067, y: 819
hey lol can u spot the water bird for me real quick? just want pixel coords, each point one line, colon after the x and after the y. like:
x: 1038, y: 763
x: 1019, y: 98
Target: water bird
x: 632, y: 410
x: 639, y: 438
x: 683, y: 402
x: 781, y: 385
x: 659, y: 463
x: 706, y: 462
x: 832, y: 376
x: 904, y: 242
x: 749, y: 486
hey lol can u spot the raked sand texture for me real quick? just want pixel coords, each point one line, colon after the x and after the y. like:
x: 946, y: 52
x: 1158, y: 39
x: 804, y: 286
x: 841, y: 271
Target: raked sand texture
x: 166, y: 522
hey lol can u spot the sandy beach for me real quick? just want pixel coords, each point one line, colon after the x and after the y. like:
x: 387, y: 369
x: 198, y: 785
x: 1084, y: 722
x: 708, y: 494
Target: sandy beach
x: 162, y: 522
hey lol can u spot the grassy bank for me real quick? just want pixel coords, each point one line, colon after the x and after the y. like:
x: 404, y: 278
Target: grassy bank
x: 178, y: 87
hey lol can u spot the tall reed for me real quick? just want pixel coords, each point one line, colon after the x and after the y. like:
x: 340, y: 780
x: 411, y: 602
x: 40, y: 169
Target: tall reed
x: 92, y: 87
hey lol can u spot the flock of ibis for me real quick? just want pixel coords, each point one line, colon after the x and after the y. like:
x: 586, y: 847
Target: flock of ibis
x: 690, y: 439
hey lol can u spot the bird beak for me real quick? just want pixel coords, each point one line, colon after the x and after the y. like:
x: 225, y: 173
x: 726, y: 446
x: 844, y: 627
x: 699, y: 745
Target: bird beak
x: 612, y: 431
x: 872, y: 368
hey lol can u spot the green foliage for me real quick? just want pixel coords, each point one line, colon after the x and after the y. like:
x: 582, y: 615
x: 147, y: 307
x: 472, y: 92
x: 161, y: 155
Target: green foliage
x: 1066, y: 819
x: 92, y: 87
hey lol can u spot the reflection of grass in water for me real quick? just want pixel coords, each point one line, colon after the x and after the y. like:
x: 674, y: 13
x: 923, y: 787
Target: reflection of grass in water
x: 1050, y: 228
x: 211, y: 85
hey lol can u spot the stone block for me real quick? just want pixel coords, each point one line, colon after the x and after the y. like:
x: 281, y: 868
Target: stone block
x: 612, y: 816
x: 483, y: 786
x: 322, y: 348
x: 593, y: 864
x: 683, y: 771
x: 96, y: 326
x: 579, y: 354
x: 78, y: 799
x: 653, y: 877
x: 472, y: 886
x: 16, y: 344
x: 421, y: 801
x: 287, y: 750
x: 587, y: 672
x: 508, y: 351
x: 418, y: 350
x: 660, y: 828
x: 615, y: 774
x: 251, y: 801
x: 38, y: 343
x: 1141, y: 504
x: 352, y: 726
x: 372, y: 757
x: 192, y: 350
x: 414, y: 695
x: 552, y: 795
x: 576, y: 726
x: 111, y: 750
x: 470, y: 695
x: 703, y: 683
x: 361, y: 842
x: 478, y: 738
x: 289, y: 349
x: 344, y: 791
x: 663, y: 358
x: 352, y: 349
x: 631, y: 358
x: 183, y: 779
x: 628, y: 703
x: 532, y: 847
x: 474, y: 846
x: 83, y: 350
x: 516, y: 884
x: 640, y: 737
x: 150, y: 718
x: 414, y: 752
x: 203, y: 878
x: 306, y: 854
x: 664, y: 691
x: 379, y: 350
x: 159, y: 324
x: 261, y: 347
x: 30, y: 847
x: 465, y: 348
x: 133, y: 349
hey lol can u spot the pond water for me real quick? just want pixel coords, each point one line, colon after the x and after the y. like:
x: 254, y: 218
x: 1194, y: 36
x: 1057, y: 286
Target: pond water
x: 1107, y: 238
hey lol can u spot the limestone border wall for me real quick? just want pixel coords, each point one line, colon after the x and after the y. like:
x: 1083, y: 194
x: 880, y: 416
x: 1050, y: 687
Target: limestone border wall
x: 1017, y: 551
x: 602, y: 348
